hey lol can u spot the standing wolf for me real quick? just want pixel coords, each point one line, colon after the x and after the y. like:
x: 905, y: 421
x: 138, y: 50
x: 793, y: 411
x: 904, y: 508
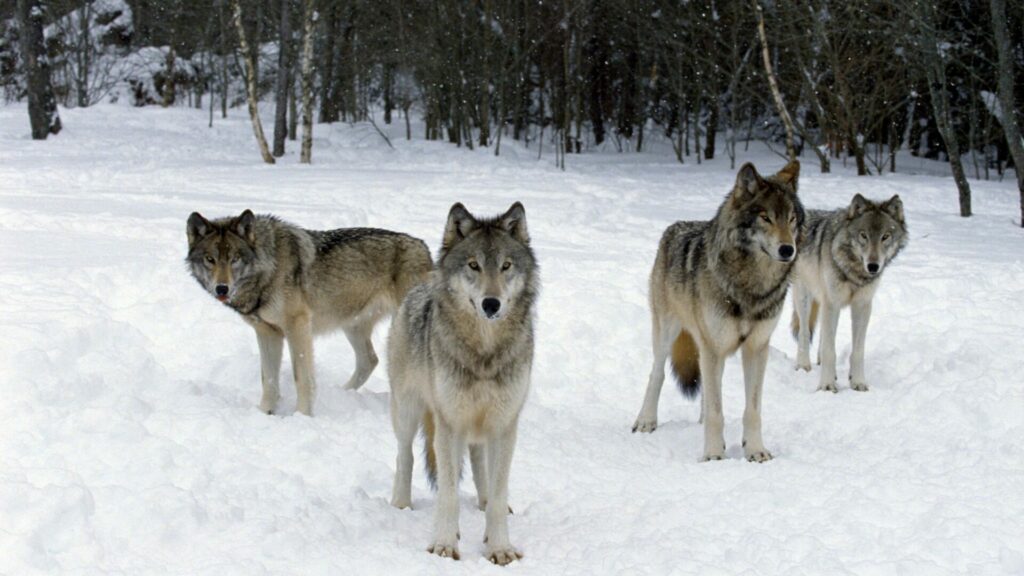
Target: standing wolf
x: 719, y: 286
x: 843, y: 255
x: 290, y: 283
x: 459, y: 358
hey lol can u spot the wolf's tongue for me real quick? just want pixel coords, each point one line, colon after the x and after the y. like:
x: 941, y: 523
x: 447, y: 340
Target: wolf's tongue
x: 222, y: 298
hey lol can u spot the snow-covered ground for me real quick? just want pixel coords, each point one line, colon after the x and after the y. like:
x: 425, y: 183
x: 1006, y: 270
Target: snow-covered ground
x: 130, y: 442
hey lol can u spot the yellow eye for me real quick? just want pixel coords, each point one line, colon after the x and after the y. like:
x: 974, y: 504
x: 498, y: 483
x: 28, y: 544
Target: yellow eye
x: 474, y: 266
x: 506, y: 266
x: 764, y: 216
x: 885, y: 237
x: 211, y: 260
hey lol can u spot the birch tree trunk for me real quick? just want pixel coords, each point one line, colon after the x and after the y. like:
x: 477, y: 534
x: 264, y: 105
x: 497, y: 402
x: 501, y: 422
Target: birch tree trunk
x: 307, y: 83
x: 787, y: 121
x: 1007, y: 105
x: 250, y: 84
x: 42, y: 106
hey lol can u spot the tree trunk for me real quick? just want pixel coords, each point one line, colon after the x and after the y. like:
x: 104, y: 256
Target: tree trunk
x: 169, y: 95
x: 293, y: 107
x: 223, y: 59
x: 787, y: 121
x: 1007, y: 105
x: 307, y: 82
x: 250, y: 84
x: 42, y: 106
x: 282, y: 81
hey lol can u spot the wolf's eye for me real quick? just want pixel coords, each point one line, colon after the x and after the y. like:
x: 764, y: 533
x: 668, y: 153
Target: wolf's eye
x: 764, y: 216
x: 211, y: 260
x: 886, y: 236
x: 792, y: 218
x: 863, y: 236
x: 235, y: 259
x: 506, y: 266
x: 474, y: 266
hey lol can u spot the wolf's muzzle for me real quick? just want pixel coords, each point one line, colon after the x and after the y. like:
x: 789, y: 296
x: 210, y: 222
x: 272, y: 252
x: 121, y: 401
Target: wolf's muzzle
x: 873, y: 268
x: 786, y: 252
x: 491, y: 306
x: 221, y: 291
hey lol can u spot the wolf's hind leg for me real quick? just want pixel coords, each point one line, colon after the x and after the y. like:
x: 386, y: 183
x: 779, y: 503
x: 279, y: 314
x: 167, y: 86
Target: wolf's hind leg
x: 478, y: 460
x: 827, y: 346
x: 860, y: 314
x: 802, y: 307
x: 406, y: 414
x: 271, y: 343
x: 360, y: 336
x: 664, y: 330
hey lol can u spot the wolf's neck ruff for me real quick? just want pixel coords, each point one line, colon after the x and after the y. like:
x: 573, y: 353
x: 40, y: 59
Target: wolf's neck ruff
x: 752, y: 296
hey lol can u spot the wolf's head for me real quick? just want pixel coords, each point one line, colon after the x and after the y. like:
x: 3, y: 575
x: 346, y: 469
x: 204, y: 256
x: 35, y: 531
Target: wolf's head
x: 221, y: 253
x: 487, y: 264
x: 874, y: 232
x: 766, y: 212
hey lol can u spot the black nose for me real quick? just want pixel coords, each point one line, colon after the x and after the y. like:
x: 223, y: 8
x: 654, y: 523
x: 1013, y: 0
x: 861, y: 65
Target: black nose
x: 873, y: 267
x: 491, y: 306
x: 222, y: 289
x: 786, y: 251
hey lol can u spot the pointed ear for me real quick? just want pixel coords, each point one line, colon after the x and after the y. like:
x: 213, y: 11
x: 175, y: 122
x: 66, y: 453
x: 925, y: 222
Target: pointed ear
x: 789, y: 173
x: 197, y: 227
x: 244, y: 225
x: 460, y: 224
x: 858, y: 206
x: 894, y: 206
x: 748, y: 181
x: 514, y: 220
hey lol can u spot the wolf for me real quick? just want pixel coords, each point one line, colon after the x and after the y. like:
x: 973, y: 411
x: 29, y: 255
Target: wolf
x: 719, y: 286
x: 843, y: 255
x: 291, y: 283
x: 460, y: 351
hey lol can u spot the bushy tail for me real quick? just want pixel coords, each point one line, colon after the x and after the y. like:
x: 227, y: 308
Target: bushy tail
x: 794, y: 324
x: 686, y: 364
x: 430, y: 457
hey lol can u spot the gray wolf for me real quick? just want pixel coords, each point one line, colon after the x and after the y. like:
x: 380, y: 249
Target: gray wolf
x: 290, y: 283
x: 843, y: 255
x: 719, y: 286
x: 460, y: 352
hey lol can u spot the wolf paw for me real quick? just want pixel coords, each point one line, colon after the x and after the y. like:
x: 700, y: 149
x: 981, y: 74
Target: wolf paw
x: 859, y: 386
x: 804, y: 364
x: 645, y: 425
x: 268, y: 405
x: 504, y: 556
x: 712, y: 457
x: 760, y: 456
x: 401, y: 504
x: 830, y: 387
x: 444, y: 550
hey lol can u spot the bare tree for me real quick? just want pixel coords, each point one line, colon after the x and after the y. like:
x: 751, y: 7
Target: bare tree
x: 307, y: 82
x: 1007, y: 105
x: 787, y: 121
x: 283, y: 80
x: 42, y: 106
x: 250, y: 84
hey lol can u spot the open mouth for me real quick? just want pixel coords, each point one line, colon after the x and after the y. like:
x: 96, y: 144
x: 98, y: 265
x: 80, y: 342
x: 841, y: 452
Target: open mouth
x: 222, y: 297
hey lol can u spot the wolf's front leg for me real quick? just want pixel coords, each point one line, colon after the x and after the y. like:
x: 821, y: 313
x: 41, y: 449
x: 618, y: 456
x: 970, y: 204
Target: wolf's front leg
x: 827, y: 347
x: 711, y: 365
x: 499, y: 456
x: 755, y: 359
x: 271, y: 343
x: 802, y: 303
x: 406, y: 413
x: 860, y: 314
x: 450, y: 448
x: 300, y: 343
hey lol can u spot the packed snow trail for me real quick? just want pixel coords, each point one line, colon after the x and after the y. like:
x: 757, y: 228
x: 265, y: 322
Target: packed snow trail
x: 130, y: 442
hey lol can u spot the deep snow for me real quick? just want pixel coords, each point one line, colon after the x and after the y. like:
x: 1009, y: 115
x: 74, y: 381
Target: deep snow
x: 130, y: 442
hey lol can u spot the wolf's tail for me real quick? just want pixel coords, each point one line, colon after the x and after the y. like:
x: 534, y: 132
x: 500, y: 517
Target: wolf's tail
x: 794, y: 324
x: 686, y: 364
x: 430, y: 457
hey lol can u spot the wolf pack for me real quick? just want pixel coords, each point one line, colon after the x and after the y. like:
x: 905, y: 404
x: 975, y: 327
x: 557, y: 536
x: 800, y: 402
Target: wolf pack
x: 461, y: 342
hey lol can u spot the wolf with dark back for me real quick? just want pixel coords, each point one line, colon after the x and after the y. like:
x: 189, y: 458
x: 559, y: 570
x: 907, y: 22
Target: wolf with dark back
x: 291, y: 284
x: 718, y: 286
x: 459, y: 358
x: 843, y: 255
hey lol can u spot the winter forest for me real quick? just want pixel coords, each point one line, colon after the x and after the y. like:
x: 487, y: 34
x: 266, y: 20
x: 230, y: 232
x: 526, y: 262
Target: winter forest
x: 846, y: 81
x: 598, y: 205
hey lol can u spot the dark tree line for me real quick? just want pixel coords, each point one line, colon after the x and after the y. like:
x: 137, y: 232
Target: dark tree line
x: 857, y: 80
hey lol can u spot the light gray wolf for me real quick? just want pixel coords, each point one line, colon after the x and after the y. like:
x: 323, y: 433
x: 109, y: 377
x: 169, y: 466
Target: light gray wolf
x: 843, y: 255
x: 460, y: 352
x: 290, y: 283
x: 719, y: 286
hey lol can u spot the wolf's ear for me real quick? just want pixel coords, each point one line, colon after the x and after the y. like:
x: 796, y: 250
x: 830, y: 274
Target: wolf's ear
x: 748, y: 181
x: 858, y: 206
x: 789, y: 173
x: 460, y: 224
x: 197, y: 228
x: 514, y: 220
x: 894, y: 206
x: 244, y: 225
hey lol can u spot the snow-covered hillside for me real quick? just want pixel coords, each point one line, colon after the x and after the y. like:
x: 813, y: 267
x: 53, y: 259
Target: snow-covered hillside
x: 130, y: 442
